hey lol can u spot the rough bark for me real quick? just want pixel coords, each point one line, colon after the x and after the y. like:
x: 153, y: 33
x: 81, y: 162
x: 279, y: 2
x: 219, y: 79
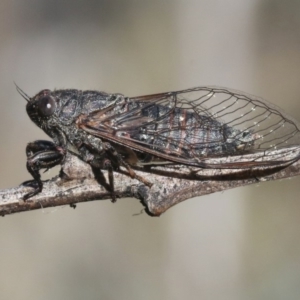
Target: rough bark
x: 75, y: 184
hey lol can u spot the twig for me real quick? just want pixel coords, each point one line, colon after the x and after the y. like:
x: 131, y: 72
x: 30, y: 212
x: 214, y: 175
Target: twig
x: 75, y: 184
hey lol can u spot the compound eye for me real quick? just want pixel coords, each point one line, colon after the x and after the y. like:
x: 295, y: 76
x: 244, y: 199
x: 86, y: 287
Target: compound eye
x: 46, y: 106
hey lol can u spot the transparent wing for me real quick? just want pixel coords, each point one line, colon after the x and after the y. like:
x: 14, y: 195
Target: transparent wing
x: 205, y: 126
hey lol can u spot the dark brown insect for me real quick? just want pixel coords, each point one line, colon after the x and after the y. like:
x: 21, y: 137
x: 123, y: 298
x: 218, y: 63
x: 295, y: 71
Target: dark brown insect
x: 218, y: 133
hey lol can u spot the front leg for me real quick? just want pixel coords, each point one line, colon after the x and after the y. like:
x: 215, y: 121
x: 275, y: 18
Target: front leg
x: 41, y: 155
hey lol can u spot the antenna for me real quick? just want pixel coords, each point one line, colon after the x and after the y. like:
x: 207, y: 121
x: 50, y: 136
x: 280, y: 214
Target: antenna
x: 22, y: 93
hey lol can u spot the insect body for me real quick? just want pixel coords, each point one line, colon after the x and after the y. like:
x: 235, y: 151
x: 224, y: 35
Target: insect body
x: 204, y: 128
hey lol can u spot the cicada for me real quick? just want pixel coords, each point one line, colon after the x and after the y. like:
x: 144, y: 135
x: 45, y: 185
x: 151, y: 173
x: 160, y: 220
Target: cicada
x: 213, y: 129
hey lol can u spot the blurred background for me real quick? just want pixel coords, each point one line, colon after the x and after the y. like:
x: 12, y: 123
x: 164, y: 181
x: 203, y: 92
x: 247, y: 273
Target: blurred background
x: 240, y: 244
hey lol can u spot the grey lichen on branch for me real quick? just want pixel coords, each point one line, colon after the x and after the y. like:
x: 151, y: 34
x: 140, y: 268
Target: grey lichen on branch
x: 76, y: 184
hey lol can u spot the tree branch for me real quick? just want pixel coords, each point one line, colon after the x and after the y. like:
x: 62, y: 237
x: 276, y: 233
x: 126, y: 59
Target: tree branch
x: 76, y: 184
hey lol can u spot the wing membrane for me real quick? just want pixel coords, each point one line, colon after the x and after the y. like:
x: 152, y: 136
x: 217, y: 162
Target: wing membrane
x: 207, y: 127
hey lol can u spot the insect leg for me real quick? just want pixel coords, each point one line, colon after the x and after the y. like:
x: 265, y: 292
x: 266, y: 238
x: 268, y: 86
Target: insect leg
x: 102, y: 181
x: 107, y: 165
x: 41, y: 155
x: 97, y: 162
x: 112, y: 151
